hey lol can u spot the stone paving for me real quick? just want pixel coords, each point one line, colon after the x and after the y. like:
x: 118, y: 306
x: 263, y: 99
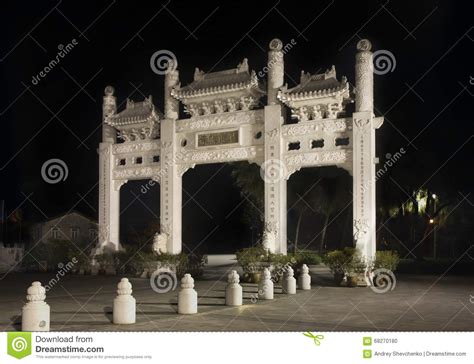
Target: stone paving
x: 419, y: 303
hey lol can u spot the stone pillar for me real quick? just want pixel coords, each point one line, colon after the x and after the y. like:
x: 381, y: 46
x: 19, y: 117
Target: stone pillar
x: 124, y: 310
x: 364, y: 161
x: 265, y: 287
x: 36, y: 312
x: 304, y: 279
x: 289, y: 281
x: 273, y: 169
x: 170, y: 184
x: 109, y: 197
x: 233, y: 291
x: 187, y: 296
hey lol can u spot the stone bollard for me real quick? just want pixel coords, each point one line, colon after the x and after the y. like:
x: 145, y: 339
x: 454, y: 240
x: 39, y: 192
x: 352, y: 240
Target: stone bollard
x: 289, y: 282
x: 265, y: 287
x: 124, y: 311
x: 36, y: 312
x: 233, y: 291
x: 187, y: 296
x: 304, y: 280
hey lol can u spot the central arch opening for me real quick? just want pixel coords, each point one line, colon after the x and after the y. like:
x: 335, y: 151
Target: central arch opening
x: 319, y: 209
x: 219, y: 217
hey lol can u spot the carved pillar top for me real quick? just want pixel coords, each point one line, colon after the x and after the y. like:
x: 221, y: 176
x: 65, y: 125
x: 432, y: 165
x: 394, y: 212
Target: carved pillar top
x: 364, y: 77
x: 171, y: 80
x: 109, y: 107
x: 275, y: 70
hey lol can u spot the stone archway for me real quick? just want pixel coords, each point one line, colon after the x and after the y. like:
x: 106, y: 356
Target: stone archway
x: 225, y: 124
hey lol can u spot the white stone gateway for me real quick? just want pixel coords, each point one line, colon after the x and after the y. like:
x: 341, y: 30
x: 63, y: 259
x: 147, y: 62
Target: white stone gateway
x: 124, y: 310
x: 265, y: 286
x: 226, y: 124
x: 289, y: 282
x: 233, y: 291
x: 36, y: 312
x: 187, y: 296
x: 304, y: 279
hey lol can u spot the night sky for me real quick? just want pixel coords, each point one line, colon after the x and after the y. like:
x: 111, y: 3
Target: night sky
x: 426, y: 100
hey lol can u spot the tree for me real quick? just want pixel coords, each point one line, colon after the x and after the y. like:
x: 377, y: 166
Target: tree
x: 247, y: 177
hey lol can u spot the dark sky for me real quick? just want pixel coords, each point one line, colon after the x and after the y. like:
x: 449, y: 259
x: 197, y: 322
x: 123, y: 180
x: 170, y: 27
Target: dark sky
x: 427, y: 99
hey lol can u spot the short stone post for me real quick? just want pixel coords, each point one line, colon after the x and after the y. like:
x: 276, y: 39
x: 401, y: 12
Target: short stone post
x: 265, y: 287
x: 304, y: 280
x: 187, y: 296
x: 233, y: 291
x: 36, y: 312
x: 124, y: 310
x: 289, y: 281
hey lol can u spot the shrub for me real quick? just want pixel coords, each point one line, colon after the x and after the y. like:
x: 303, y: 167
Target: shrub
x: 336, y: 261
x: 307, y: 257
x: 347, y: 260
x: 278, y: 264
x: 250, y: 258
x: 183, y: 263
x: 386, y: 259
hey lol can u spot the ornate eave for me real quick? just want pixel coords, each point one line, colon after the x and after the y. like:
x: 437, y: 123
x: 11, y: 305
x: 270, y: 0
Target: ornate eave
x: 317, y: 96
x: 223, y: 91
x: 138, y: 121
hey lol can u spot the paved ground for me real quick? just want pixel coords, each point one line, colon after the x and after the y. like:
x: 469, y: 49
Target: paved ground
x: 417, y: 303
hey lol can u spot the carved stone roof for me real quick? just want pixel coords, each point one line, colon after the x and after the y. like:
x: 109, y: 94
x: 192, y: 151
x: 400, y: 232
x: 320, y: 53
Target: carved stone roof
x: 134, y: 113
x: 315, y: 86
x: 222, y: 82
x: 318, y: 96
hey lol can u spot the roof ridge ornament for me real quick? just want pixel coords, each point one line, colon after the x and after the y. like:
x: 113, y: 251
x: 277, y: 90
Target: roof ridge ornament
x: 198, y: 74
x: 243, y: 66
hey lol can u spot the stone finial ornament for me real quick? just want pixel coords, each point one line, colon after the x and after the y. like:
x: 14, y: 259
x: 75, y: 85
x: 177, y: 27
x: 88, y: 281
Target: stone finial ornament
x: 233, y: 277
x: 36, y: 312
x: 187, y: 296
x: 275, y: 44
x: 233, y: 291
x: 124, y: 287
x: 124, y: 309
x: 36, y: 292
x: 364, y: 45
x: 109, y: 90
x: 187, y: 281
